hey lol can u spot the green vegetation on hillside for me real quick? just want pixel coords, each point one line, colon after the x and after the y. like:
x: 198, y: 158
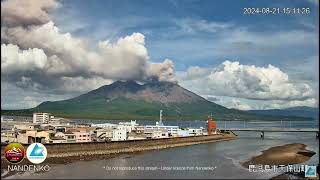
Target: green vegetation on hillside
x: 123, y: 108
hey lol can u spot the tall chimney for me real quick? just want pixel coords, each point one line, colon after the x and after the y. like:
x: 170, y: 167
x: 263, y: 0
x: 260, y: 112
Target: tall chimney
x: 160, y: 122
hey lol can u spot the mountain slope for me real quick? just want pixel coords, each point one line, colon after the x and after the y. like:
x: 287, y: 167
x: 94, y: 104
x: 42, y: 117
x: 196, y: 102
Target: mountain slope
x: 299, y: 111
x: 130, y: 100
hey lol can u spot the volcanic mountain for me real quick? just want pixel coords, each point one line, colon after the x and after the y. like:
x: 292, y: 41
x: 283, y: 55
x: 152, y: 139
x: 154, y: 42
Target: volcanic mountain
x: 131, y: 100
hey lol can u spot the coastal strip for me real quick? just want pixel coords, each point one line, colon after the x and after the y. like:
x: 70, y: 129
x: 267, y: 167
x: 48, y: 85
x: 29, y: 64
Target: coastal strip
x: 282, y: 155
x: 64, y: 153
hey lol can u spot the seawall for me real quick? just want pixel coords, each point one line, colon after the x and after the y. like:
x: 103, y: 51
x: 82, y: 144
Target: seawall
x: 94, y: 150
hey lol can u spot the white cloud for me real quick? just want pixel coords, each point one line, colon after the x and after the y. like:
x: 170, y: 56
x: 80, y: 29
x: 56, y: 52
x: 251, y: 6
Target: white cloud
x: 190, y: 25
x: 58, y: 55
x: 26, y: 12
x: 280, y: 104
x: 236, y: 104
x: 195, y: 72
x: 15, y: 59
x: 252, y: 104
x: 36, y: 54
x: 233, y: 79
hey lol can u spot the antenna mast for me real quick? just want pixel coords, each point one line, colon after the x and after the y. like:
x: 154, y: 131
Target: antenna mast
x: 161, y: 124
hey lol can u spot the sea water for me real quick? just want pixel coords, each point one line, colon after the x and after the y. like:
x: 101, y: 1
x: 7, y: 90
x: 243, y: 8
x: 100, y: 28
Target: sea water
x: 212, y: 160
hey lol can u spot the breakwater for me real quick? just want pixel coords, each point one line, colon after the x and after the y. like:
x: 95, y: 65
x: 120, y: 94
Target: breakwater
x: 93, y: 150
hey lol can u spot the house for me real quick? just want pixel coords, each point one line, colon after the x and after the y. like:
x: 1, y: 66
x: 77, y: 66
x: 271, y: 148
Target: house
x: 68, y: 135
x: 26, y: 126
x: 195, y: 131
x: 82, y: 136
x: 104, y: 134
x: 33, y: 136
x: 60, y: 129
x: 139, y: 129
x: 8, y: 136
x: 57, y: 139
x: 119, y: 133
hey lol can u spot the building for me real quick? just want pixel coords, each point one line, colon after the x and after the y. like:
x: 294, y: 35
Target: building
x: 55, y: 120
x: 190, y: 132
x: 195, y: 131
x: 211, y: 126
x: 136, y: 136
x: 40, y: 118
x: 68, y: 135
x: 172, y: 130
x: 82, y: 136
x: 6, y: 118
x: 8, y: 136
x: 57, y: 139
x: 119, y: 133
x: 183, y: 133
x: 60, y: 129
x: 103, y: 125
x: 33, y: 136
x: 16, y: 118
x: 104, y: 134
x: 130, y: 126
x: 26, y: 126
x: 157, y: 134
x: 159, y: 128
x: 139, y: 130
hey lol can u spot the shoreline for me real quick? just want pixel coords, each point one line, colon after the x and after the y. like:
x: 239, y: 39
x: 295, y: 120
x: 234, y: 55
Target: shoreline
x: 282, y: 155
x: 288, y: 154
x: 98, y: 155
x: 81, y: 152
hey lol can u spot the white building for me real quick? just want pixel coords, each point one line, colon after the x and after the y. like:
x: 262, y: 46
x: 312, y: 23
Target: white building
x: 129, y: 125
x: 172, y: 130
x: 119, y: 133
x: 41, y: 117
x: 104, y: 134
x: 195, y: 131
x: 183, y: 132
x: 103, y: 125
x: 55, y: 120
x: 157, y: 134
x: 57, y: 139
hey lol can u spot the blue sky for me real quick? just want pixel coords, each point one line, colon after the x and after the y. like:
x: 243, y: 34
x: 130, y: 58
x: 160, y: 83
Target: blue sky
x: 161, y: 21
x: 204, y: 34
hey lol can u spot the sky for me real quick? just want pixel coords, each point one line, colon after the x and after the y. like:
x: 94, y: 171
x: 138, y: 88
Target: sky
x: 54, y: 50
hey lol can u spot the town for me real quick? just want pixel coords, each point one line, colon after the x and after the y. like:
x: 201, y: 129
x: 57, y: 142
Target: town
x: 46, y: 128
